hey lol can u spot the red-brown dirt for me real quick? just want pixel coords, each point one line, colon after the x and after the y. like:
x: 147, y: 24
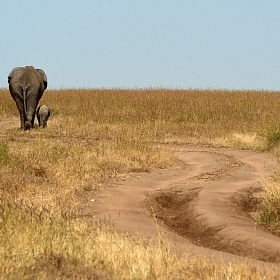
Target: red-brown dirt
x: 203, y: 207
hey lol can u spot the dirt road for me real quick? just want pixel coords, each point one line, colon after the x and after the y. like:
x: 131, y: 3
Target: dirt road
x: 202, y: 207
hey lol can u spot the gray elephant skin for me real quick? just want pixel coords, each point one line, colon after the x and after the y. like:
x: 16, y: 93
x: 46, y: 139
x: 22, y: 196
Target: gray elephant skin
x: 27, y: 85
x: 43, y: 114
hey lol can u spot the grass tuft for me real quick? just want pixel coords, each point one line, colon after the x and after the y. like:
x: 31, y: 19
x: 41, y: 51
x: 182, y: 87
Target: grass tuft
x: 273, y: 138
x: 269, y: 207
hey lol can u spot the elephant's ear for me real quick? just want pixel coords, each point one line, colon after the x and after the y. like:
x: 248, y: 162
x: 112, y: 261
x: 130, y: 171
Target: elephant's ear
x: 11, y: 73
x: 44, y: 76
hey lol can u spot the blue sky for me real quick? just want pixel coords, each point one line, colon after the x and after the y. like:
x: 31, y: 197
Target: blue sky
x: 144, y: 43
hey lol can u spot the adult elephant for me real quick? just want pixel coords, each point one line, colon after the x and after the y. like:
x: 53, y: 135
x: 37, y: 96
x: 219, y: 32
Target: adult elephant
x: 27, y: 85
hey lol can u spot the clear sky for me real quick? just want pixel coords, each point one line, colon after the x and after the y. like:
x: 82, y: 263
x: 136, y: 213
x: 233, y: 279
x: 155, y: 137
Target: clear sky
x: 233, y: 44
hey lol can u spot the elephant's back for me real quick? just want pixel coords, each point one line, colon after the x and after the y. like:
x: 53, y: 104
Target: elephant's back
x: 44, y: 109
x: 25, y: 77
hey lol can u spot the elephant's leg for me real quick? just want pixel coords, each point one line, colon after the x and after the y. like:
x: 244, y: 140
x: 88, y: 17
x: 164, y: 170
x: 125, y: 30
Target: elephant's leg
x: 32, y: 120
x: 44, y: 121
x: 20, y: 108
x: 29, y: 118
x: 32, y: 104
x: 22, y: 120
x: 41, y: 121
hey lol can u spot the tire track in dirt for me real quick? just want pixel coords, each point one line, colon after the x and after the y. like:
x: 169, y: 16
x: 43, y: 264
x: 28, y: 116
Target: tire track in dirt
x: 197, y: 205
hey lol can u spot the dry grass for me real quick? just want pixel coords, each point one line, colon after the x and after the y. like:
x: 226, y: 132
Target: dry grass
x: 96, y: 137
x: 269, y: 208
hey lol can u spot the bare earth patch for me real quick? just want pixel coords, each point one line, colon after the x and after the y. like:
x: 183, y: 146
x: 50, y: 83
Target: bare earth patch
x: 201, y: 207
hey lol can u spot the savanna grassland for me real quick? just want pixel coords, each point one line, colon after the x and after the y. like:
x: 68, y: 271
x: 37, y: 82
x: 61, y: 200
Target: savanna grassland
x: 95, y: 137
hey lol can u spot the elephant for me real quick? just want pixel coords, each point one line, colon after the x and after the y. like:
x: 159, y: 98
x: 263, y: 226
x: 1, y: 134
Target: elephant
x: 27, y: 85
x: 43, y: 114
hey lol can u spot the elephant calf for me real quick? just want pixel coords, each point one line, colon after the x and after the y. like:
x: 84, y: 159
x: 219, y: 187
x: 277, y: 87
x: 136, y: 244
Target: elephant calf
x: 43, y: 114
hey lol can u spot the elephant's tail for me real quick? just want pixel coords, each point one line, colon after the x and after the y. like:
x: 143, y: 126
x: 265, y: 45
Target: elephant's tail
x: 27, y: 124
x: 24, y: 97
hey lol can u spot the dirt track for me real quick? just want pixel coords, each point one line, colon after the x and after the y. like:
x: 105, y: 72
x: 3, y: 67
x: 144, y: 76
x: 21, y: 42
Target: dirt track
x: 202, y: 206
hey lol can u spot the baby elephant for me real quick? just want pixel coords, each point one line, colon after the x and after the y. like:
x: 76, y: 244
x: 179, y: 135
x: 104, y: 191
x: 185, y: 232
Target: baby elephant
x: 43, y: 114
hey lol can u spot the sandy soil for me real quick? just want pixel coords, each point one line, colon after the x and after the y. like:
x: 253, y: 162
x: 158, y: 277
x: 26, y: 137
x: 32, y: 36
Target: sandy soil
x: 203, y: 207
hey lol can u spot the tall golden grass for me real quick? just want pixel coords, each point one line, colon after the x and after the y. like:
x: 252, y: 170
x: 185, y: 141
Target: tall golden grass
x: 95, y: 137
